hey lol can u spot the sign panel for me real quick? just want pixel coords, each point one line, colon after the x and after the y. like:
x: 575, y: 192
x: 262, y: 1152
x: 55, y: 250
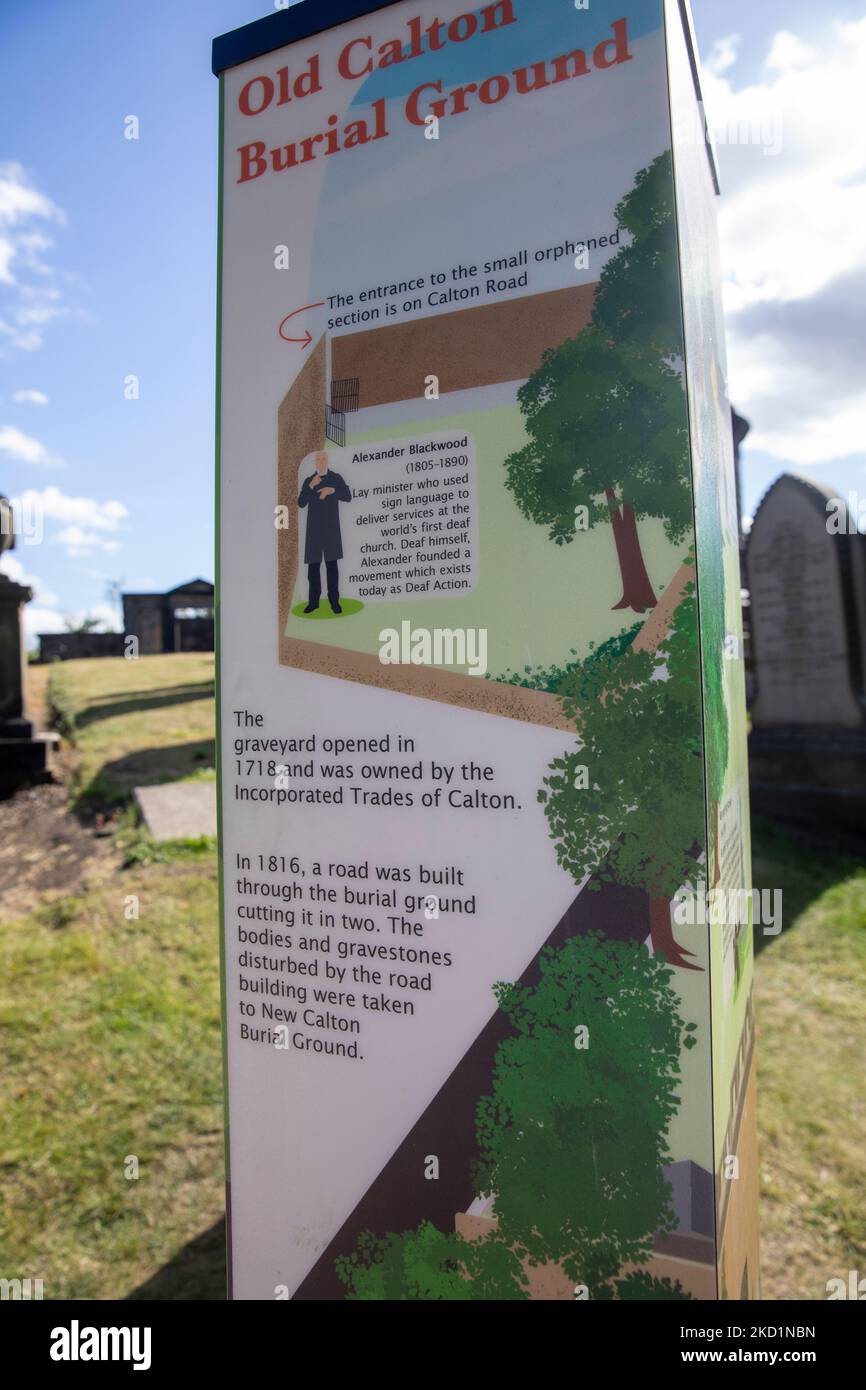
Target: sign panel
x: 471, y: 798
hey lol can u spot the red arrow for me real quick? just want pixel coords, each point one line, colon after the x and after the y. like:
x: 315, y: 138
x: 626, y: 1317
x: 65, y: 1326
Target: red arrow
x: 308, y: 337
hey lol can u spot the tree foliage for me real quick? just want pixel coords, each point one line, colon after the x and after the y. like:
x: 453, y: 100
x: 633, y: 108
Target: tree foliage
x: 572, y: 1139
x: 428, y: 1265
x: 641, y: 1286
x: 638, y: 297
x: 605, y: 411
x: 552, y: 679
x: 602, y: 417
x: 639, y: 719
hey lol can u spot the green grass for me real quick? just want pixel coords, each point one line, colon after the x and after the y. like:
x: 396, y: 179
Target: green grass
x: 111, y: 1048
x: 110, y: 1023
x: 109, y: 1029
x: 135, y: 723
x: 811, y: 1043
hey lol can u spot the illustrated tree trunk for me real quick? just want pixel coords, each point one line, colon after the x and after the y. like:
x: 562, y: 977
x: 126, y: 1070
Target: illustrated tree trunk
x: 717, y: 867
x: 657, y: 625
x: 662, y: 935
x: 637, y: 590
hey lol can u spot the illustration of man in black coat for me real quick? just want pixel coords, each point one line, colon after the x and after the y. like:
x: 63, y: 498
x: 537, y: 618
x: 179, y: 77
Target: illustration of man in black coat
x: 322, y: 494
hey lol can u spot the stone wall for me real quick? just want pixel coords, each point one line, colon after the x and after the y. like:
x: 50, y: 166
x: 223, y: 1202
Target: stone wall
x: 143, y: 617
x: 72, y: 646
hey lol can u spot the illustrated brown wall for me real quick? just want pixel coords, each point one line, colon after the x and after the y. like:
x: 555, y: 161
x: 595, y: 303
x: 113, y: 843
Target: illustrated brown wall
x: 472, y: 347
x: 549, y: 1282
x: 300, y: 430
x: 497, y: 342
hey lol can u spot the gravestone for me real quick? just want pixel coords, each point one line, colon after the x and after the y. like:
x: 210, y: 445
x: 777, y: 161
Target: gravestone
x: 23, y: 752
x: 804, y: 562
x: 178, y: 810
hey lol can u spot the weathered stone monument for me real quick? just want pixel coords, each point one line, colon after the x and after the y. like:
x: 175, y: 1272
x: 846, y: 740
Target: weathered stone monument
x: 23, y: 752
x: 805, y: 568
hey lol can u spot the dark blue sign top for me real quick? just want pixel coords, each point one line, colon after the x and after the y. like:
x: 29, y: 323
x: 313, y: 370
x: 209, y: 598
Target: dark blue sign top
x: 287, y: 26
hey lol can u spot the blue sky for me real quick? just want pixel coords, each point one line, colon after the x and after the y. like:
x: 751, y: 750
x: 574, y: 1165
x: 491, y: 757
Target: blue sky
x: 108, y: 251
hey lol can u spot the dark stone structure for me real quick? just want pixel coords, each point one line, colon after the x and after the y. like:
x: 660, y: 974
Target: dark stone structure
x: 807, y: 583
x: 181, y: 620
x: 72, y: 646
x: 23, y: 751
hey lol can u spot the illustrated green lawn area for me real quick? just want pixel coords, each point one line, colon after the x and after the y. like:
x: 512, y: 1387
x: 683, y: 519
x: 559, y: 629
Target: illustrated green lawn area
x: 110, y: 1034
x: 136, y: 723
x: 350, y: 607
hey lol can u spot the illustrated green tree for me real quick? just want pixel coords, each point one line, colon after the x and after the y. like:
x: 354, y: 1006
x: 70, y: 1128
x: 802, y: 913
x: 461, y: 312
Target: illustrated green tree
x: 639, y: 1286
x: 605, y: 412
x: 428, y: 1265
x: 631, y: 798
x: 572, y: 1140
x: 574, y: 1133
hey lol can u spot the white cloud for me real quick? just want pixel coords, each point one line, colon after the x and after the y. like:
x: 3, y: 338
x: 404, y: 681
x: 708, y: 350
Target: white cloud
x: 793, y: 234
x: 85, y: 524
x: 29, y: 245
x: 723, y: 53
x: 55, y: 505
x: 29, y: 396
x: 23, y: 447
x: 788, y: 51
x: 29, y: 302
x: 80, y: 542
x: 104, y: 613
x: 44, y: 613
x: 38, y: 619
x: 20, y: 201
x: 13, y: 567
